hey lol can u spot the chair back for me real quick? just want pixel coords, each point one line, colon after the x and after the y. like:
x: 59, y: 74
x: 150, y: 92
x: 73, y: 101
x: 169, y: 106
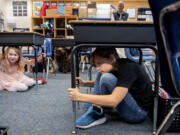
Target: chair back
x: 48, y: 47
x: 31, y: 54
x: 167, y: 27
x: 134, y: 55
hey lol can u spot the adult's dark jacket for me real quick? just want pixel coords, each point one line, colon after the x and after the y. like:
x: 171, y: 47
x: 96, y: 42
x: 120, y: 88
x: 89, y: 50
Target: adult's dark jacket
x: 121, y: 17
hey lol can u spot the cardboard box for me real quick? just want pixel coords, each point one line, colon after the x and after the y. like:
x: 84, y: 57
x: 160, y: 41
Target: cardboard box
x: 91, y: 12
x: 52, y: 12
x: 91, y: 9
x: 83, y: 12
x: 91, y: 5
x: 68, y: 10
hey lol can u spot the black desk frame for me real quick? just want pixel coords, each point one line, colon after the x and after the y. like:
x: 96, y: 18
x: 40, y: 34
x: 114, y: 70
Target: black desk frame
x: 22, y: 39
x: 75, y: 72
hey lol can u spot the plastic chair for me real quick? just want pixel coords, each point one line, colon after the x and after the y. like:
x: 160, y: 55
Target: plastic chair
x: 49, y: 53
x: 134, y: 54
x: 147, y: 58
x: 47, y: 48
x: 86, y: 57
x: 167, y: 26
x: 31, y: 54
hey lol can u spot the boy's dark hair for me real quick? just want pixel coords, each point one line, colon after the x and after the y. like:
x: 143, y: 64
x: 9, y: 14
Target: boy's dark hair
x: 104, y: 52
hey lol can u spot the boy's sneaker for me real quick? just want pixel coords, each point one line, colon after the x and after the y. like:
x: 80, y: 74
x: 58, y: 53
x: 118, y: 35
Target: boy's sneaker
x: 94, y: 116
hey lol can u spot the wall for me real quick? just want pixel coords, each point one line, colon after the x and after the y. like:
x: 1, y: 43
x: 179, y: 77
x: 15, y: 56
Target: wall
x: 21, y: 22
x: 3, y: 9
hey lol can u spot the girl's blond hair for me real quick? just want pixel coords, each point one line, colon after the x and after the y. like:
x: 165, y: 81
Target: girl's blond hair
x: 5, y: 63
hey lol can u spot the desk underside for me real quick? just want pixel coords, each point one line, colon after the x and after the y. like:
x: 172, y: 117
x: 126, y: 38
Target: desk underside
x: 107, y: 33
x: 21, y: 39
x: 63, y: 42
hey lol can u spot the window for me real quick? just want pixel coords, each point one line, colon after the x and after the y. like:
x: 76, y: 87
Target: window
x: 19, y: 8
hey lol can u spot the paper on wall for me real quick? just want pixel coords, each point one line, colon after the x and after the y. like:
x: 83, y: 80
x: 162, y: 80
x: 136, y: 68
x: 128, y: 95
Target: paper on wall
x: 131, y: 12
x: 37, y: 8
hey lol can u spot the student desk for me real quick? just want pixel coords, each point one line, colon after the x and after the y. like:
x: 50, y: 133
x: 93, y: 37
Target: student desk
x: 22, y: 39
x: 57, y: 42
x: 112, y: 33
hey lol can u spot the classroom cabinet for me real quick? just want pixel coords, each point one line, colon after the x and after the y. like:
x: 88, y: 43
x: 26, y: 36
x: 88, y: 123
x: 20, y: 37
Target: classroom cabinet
x: 53, y: 27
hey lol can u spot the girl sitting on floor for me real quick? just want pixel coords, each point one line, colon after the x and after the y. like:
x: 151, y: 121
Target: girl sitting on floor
x: 12, y: 77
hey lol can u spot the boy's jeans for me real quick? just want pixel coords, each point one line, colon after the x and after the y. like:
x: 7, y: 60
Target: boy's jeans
x: 128, y: 110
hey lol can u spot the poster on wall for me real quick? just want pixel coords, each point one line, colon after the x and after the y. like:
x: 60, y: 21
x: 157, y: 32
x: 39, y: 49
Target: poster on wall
x: 37, y: 8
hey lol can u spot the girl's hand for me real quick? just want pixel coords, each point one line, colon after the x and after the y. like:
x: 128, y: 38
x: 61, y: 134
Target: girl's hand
x: 73, y: 94
x: 80, y: 81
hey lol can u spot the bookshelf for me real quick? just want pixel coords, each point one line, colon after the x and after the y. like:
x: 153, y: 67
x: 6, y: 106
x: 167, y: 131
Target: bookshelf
x: 60, y: 27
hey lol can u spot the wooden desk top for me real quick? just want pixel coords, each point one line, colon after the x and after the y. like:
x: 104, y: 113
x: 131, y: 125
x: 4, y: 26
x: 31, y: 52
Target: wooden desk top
x: 61, y: 39
x: 22, y: 33
x: 107, y: 22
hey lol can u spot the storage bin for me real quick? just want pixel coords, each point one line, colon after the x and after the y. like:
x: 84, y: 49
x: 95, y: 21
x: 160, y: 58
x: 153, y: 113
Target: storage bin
x: 164, y: 107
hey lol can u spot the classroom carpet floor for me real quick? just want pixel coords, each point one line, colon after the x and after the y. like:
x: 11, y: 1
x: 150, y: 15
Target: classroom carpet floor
x: 47, y: 110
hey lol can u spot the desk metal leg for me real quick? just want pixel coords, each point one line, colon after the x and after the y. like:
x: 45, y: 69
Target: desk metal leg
x: 73, y: 85
x: 155, y: 114
x: 45, y: 70
x: 77, y: 70
x: 36, y: 66
x: 156, y: 93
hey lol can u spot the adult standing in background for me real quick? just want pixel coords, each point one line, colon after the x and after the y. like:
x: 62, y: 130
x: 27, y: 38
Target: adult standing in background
x: 120, y: 15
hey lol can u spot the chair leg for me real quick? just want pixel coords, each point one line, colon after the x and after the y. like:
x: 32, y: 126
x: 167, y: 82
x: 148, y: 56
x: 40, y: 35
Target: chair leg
x: 155, y: 114
x: 47, y: 67
x: 168, y: 119
x: 89, y: 76
x: 150, y: 71
x: 83, y: 64
x: 53, y: 68
x: 44, y: 70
